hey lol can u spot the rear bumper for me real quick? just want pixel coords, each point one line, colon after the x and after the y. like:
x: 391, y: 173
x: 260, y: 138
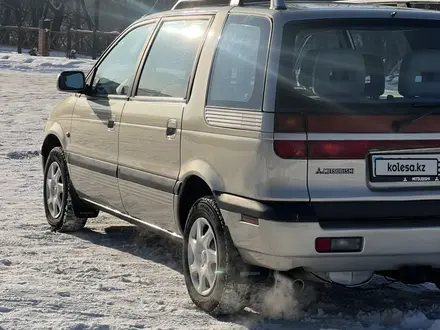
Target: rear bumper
x: 284, y: 245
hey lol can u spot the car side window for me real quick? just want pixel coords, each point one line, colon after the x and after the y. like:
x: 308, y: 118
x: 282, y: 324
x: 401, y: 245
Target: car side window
x: 115, y: 72
x: 170, y: 61
x: 238, y: 73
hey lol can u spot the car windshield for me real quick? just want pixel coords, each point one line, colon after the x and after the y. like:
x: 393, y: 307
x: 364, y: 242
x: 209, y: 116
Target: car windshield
x: 367, y: 64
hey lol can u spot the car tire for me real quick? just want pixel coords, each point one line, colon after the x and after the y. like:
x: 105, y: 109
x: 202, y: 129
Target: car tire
x: 57, y: 193
x: 230, y: 289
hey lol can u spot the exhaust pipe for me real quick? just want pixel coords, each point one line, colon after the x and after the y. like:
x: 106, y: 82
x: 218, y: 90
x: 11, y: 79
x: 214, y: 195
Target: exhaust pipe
x: 287, y: 283
x: 348, y: 279
x: 298, y: 285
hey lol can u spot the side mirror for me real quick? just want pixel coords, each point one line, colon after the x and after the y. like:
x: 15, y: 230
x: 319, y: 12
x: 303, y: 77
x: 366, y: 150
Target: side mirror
x: 71, y: 81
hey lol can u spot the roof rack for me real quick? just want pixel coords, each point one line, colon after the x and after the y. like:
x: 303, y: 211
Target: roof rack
x: 397, y: 3
x: 183, y: 4
x: 281, y: 4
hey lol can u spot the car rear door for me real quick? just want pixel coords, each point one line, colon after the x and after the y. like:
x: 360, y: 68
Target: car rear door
x: 149, y: 139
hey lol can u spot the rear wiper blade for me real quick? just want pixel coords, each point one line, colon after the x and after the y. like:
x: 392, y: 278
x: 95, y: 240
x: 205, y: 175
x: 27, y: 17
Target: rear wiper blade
x: 396, y: 125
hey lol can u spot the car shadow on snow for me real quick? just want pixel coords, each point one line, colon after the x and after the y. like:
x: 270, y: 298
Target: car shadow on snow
x: 332, y: 306
x: 136, y: 241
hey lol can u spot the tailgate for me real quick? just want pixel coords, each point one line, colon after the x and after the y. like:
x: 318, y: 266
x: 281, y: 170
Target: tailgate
x: 381, y: 175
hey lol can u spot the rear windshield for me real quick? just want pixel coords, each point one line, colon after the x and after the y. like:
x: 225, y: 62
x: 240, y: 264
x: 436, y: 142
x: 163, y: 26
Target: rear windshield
x: 370, y: 65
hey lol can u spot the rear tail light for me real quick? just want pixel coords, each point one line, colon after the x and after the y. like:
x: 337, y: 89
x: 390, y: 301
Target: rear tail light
x: 289, y: 123
x: 338, y: 244
x: 344, y: 149
x: 360, y: 149
x: 290, y: 149
x: 334, y: 149
x: 323, y: 245
x: 337, y: 149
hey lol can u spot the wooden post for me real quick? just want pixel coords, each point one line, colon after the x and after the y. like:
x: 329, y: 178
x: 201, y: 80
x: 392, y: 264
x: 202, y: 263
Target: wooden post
x: 69, y: 42
x: 43, y: 37
x: 19, y: 40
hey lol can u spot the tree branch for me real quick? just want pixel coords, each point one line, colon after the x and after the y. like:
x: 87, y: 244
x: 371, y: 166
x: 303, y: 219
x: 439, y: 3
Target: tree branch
x: 53, y: 7
x: 87, y: 17
x: 7, y: 5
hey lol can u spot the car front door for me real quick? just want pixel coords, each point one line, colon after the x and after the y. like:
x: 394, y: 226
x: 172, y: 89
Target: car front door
x: 149, y: 137
x: 93, y: 148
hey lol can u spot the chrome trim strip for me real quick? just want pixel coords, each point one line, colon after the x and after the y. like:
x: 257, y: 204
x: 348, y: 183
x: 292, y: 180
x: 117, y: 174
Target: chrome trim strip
x: 133, y: 220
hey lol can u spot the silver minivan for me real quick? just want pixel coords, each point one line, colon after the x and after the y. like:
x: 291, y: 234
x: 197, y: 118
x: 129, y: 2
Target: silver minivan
x: 298, y: 137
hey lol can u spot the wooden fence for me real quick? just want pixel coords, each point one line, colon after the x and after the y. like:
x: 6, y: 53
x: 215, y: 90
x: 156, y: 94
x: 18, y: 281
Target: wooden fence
x: 91, y: 43
x: 85, y: 42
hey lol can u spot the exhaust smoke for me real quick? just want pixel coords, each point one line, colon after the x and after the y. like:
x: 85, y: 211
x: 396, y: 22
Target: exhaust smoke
x: 284, y: 298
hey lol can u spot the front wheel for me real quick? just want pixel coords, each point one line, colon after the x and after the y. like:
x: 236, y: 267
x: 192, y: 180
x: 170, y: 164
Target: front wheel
x: 215, y: 275
x: 57, y: 195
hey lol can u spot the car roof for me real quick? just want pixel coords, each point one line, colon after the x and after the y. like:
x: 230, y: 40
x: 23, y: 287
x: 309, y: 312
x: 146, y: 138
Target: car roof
x: 312, y: 10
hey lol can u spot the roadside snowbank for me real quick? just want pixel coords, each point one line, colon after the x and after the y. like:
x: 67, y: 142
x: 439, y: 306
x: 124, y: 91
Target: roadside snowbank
x: 57, y: 62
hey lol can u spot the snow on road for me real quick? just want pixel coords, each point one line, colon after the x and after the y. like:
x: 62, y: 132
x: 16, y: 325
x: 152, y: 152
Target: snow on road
x: 115, y: 276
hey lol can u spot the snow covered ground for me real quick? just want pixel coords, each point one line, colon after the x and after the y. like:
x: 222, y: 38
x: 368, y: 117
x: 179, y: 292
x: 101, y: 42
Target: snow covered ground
x: 114, y: 276
x: 56, y: 63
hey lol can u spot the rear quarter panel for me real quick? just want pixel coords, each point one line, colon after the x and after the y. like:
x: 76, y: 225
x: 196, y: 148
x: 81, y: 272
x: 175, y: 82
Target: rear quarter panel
x: 232, y: 149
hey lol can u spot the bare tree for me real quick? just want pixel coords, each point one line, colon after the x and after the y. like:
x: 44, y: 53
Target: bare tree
x: 36, y: 10
x: 112, y: 15
x: 58, y: 13
x: 87, y: 18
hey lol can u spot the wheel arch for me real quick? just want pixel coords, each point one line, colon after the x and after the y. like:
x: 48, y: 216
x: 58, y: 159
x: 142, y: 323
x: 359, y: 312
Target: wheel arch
x: 198, y: 179
x: 52, y: 139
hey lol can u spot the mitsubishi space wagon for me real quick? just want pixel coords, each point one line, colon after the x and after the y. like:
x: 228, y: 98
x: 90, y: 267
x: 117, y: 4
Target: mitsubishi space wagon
x: 296, y: 138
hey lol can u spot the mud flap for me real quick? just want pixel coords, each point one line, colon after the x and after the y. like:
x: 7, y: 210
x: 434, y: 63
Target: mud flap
x: 81, y: 209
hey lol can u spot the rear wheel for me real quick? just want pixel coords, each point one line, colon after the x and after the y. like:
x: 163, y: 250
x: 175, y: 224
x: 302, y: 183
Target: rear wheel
x: 215, y: 276
x: 57, y: 194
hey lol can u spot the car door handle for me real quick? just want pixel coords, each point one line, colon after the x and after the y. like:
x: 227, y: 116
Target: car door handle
x: 171, y: 128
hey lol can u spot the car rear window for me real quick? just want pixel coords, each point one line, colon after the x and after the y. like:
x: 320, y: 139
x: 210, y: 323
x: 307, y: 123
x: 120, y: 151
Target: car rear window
x: 362, y: 65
